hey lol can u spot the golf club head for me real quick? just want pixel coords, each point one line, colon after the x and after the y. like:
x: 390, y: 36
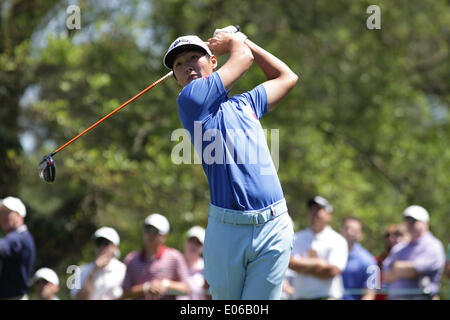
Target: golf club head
x: 47, y: 169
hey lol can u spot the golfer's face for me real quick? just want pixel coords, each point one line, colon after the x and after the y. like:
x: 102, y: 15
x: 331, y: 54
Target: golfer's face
x: 191, y: 65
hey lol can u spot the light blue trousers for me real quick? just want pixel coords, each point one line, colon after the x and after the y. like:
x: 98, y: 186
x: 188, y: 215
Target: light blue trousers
x: 247, y: 261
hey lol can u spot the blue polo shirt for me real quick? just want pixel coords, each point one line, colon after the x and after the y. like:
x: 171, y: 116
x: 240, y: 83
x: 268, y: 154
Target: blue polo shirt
x: 17, y: 254
x: 229, y: 139
x: 357, y: 272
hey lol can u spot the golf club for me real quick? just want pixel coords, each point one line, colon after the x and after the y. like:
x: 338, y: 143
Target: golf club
x: 47, y: 169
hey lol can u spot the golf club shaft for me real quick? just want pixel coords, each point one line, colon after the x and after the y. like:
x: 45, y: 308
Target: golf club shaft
x: 111, y: 113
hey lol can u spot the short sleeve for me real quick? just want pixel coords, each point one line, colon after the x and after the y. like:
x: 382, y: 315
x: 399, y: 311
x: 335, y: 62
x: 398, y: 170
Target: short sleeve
x: 339, y: 254
x: 200, y: 98
x: 257, y: 98
x: 297, y: 241
x: 430, y: 260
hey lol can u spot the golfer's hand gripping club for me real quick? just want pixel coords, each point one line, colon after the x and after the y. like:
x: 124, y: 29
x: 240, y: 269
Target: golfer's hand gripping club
x: 233, y: 30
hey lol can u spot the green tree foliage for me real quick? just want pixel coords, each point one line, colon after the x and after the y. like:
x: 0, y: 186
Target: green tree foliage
x: 367, y: 126
x: 18, y: 21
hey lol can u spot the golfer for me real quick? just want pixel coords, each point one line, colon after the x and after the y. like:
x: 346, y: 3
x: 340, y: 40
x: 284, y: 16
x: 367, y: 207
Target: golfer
x: 249, y: 234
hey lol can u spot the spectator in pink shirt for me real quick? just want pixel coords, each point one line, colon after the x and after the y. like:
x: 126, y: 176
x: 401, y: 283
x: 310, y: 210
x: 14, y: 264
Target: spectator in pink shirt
x: 155, y: 272
x: 193, y: 254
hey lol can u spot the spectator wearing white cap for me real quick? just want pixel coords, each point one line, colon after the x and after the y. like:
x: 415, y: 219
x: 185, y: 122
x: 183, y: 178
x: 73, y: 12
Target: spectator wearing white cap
x: 46, y: 283
x: 102, y: 279
x: 193, y: 254
x: 156, y: 271
x: 17, y: 250
x: 413, y: 269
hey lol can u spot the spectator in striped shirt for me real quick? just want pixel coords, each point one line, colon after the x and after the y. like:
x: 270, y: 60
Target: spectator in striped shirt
x: 155, y: 272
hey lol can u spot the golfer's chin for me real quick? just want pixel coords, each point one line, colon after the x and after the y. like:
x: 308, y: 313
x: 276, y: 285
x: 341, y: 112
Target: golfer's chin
x: 194, y: 77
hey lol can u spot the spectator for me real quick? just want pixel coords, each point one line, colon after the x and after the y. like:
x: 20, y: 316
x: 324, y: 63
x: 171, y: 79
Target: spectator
x: 102, y: 279
x: 413, y: 269
x: 157, y: 271
x: 395, y: 233
x: 287, y: 289
x: 17, y: 250
x: 46, y: 283
x: 193, y: 255
x: 319, y: 255
x: 361, y: 265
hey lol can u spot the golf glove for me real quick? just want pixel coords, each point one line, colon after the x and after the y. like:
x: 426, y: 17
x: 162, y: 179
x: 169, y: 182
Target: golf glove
x: 233, y: 30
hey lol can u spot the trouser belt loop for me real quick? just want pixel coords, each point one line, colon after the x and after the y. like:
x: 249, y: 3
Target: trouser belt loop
x: 251, y: 217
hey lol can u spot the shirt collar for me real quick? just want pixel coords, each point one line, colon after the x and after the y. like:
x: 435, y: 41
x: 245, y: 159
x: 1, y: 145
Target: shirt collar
x: 158, y: 255
x: 21, y: 228
x: 321, y: 233
x: 422, y: 238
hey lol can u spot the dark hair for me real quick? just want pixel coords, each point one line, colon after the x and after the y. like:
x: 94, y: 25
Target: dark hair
x: 354, y: 219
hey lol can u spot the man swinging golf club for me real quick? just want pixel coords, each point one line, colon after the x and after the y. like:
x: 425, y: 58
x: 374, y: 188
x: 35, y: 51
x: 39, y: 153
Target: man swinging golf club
x: 249, y: 234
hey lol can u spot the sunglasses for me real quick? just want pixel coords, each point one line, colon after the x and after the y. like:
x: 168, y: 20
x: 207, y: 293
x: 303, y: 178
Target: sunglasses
x: 102, y: 242
x: 151, y: 230
x: 393, y: 234
x: 41, y: 282
x: 409, y: 219
x: 195, y: 241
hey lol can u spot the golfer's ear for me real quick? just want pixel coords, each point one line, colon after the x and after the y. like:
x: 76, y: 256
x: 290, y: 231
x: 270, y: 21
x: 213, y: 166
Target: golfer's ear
x: 214, y: 62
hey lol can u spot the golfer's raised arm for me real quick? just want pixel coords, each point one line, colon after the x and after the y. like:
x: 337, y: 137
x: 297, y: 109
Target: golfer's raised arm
x: 240, y: 60
x: 280, y: 78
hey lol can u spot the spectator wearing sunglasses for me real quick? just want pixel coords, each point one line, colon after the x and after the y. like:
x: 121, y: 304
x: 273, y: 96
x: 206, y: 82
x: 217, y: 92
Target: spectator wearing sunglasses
x: 413, y: 269
x: 46, y: 284
x: 394, y: 234
x: 156, y: 272
x: 102, y: 279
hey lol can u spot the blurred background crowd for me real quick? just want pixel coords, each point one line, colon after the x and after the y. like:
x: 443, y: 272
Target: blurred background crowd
x: 325, y: 264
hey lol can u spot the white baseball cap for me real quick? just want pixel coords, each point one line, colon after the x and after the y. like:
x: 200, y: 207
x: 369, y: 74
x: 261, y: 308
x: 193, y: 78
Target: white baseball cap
x: 322, y: 202
x: 14, y: 204
x: 182, y: 44
x: 109, y: 234
x: 417, y: 212
x: 197, y: 232
x: 46, y: 274
x: 159, y: 222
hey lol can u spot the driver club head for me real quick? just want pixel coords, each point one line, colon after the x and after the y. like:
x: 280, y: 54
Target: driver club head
x: 47, y: 169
